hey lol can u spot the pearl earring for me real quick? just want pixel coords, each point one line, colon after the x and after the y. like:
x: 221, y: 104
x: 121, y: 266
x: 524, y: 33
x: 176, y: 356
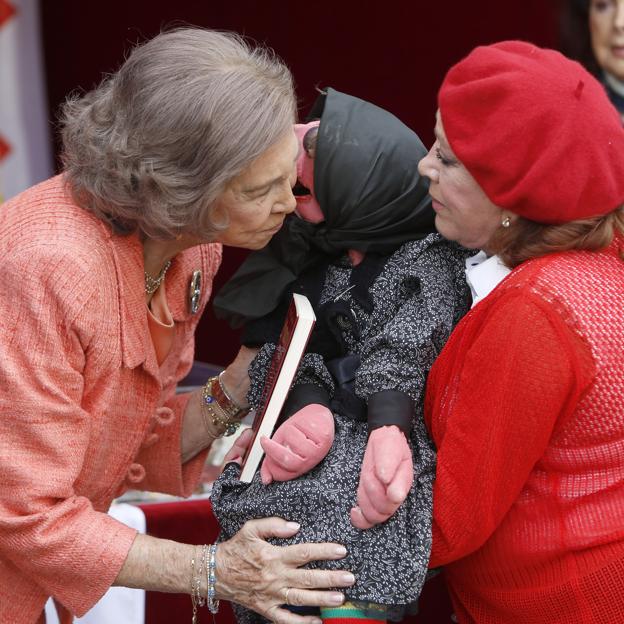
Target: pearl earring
x: 506, y: 222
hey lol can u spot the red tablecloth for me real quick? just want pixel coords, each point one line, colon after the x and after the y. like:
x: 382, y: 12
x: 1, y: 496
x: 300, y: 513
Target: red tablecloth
x: 192, y: 522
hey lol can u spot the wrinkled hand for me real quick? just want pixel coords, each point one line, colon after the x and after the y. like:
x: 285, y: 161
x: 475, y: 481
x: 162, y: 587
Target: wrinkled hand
x: 385, y: 479
x: 298, y: 445
x: 256, y: 574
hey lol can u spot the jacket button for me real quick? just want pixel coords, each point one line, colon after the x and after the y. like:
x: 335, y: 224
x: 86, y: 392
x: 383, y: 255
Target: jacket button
x: 150, y: 440
x: 136, y: 473
x: 164, y: 416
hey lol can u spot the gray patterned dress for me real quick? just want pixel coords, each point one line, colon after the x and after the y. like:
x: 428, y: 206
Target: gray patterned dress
x: 418, y: 297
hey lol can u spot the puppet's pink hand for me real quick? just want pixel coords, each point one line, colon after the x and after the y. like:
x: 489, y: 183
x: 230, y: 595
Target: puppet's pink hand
x: 298, y: 445
x: 385, y: 479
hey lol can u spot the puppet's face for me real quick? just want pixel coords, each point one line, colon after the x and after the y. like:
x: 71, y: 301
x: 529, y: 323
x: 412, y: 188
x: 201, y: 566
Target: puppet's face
x: 307, y: 206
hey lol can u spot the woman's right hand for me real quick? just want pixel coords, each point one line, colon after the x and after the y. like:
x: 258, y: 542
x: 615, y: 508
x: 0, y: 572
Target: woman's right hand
x: 263, y: 577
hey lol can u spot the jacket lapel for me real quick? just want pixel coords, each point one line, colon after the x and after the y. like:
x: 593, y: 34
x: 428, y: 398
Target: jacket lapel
x: 136, y: 345
x: 136, y: 342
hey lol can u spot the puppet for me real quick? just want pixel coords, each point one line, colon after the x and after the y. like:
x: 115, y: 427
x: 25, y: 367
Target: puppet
x: 351, y: 460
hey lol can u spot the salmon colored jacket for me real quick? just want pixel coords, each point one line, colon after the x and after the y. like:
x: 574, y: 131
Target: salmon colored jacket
x: 85, y: 410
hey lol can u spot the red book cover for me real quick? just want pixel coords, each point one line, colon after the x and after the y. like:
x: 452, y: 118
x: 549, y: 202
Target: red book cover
x: 288, y: 353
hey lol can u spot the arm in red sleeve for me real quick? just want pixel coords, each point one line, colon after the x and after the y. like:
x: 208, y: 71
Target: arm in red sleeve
x: 520, y: 373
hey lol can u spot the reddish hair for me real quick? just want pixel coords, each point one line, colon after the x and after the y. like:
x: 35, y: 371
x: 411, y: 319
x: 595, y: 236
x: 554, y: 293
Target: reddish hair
x: 526, y: 239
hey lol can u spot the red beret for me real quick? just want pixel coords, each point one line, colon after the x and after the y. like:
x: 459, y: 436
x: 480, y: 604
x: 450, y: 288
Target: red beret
x: 536, y: 131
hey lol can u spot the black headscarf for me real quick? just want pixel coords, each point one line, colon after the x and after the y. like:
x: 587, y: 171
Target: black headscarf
x: 367, y: 183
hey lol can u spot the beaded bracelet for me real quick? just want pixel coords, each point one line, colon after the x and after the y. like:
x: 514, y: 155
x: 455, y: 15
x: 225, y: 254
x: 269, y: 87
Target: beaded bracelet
x: 227, y: 403
x: 208, y: 558
x: 211, y: 601
x: 215, y: 410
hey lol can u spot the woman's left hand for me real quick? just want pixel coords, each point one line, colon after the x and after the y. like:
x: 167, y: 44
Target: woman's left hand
x: 262, y: 577
x: 385, y: 479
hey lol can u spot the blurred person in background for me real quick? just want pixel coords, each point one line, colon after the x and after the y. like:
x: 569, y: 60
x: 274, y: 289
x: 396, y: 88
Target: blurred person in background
x: 593, y: 33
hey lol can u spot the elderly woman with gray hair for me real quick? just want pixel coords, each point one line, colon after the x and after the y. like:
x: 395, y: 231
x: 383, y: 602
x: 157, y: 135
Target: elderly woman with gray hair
x: 106, y: 270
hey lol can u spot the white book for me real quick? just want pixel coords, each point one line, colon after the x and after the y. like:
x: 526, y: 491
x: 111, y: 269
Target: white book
x: 290, y: 348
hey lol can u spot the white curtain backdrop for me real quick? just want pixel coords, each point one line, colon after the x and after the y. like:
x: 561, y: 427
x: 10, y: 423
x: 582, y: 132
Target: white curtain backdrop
x: 24, y: 126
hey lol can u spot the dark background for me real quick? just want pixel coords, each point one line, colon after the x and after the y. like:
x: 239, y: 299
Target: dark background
x: 393, y: 53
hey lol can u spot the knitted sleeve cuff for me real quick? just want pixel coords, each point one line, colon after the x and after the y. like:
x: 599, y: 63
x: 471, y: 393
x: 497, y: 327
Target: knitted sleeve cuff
x: 302, y: 395
x: 390, y: 407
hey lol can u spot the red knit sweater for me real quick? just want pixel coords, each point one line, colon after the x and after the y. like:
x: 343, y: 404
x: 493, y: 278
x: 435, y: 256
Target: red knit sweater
x: 526, y: 407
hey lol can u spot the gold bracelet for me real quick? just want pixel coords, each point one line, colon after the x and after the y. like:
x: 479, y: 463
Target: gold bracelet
x: 211, y: 406
x: 231, y: 408
x: 197, y: 599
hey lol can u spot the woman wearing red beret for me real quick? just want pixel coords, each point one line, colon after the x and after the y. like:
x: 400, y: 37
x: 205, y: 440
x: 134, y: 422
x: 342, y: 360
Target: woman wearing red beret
x: 526, y: 401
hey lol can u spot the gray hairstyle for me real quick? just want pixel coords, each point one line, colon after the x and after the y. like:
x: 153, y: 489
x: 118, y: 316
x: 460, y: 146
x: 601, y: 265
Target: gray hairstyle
x: 152, y: 147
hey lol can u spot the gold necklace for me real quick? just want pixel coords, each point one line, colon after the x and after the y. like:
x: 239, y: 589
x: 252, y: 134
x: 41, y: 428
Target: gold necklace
x: 152, y: 283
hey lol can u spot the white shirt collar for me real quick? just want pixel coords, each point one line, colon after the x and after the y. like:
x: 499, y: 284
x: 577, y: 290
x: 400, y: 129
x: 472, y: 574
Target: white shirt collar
x: 483, y: 275
x: 614, y: 83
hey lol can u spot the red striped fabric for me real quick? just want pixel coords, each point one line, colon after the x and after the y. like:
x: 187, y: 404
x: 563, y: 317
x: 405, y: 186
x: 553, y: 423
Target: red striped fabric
x: 348, y: 620
x: 7, y: 11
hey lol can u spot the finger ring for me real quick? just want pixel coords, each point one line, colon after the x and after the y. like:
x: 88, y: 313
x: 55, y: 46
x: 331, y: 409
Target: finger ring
x: 286, y: 590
